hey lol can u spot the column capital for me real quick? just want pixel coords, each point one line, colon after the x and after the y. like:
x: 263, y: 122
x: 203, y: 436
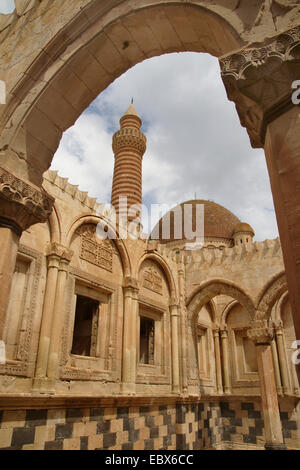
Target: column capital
x: 56, y: 250
x: 278, y: 326
x: 224, y: 332
x: 130, y: 283
x: 259, y: 80
x: 260, y: 332
x: 174, y: 309
x: 216, y: 332
x: 21, y: 203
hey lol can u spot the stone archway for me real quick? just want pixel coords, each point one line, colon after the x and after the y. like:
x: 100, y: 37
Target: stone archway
x: 208, y: 290
x: 271, y: 292
x: 53, y: 77
x: 56, y: 60
x: 202, y: 295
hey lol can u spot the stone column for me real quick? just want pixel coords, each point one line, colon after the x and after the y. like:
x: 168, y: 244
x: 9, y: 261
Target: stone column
x: 262, y: 336
x: 225, y: 357
x: 54, y: 254
x: 260, y: 80
x: 174, y: 310
x: 216, y: 335
x: 282, y: 356
x: 21, y: 206
x: 276, y: 367
x: 183, y: 322
x: 295, y: 381
x: 130, y: 321
x: 9, y: 242
x: 57, y: 321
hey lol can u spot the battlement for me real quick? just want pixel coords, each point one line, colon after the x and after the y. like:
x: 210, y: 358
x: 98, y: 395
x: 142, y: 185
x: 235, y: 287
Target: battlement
x: 237, y: 254
x: 65, y: 186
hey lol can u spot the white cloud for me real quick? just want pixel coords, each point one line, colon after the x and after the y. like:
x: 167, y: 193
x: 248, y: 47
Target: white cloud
x: 7, y: 6
x: 195, y: 143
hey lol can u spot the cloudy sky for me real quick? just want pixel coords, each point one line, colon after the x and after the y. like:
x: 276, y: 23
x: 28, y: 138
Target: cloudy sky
x: 195, y: 143
x: 6, y: 6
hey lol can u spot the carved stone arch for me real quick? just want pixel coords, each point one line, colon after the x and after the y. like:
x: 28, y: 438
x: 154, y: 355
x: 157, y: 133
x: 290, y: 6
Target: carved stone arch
x: 55, y: 225
x: 70, y: 67
x: 165, y: 268
x: 278, y: 306
x: 94, y: 220
x: 213, y: 311
x: 269, y: 294
x: 282, y: 303
x: 227, y: 310
x: 209, y: 289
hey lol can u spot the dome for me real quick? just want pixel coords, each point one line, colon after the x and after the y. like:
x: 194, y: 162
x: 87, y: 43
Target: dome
x: 219, y: 223
x: 243, y: 227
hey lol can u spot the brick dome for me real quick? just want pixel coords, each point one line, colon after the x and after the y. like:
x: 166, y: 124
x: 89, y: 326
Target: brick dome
x: 219, y: 223
x: 243, y: 227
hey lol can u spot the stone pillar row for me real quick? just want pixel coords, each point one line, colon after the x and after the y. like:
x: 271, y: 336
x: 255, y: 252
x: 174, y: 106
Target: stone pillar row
x: 130, y: 335
x: 59, y: 259
x: 221, y: 349
x: 262, y: 81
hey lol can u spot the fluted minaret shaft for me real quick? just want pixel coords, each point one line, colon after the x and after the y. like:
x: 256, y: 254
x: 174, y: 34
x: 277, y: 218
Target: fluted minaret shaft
x: 129, y: 145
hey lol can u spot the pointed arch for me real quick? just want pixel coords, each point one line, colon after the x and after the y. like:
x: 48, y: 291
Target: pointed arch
x: 209, y: 289
x: 166, y: 269
x: 271, y: 292
x: 55, y: 225
x: 93, y: 219
x: 227, y: 310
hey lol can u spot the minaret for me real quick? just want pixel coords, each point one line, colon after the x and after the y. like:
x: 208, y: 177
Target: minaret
x: 129, y: 146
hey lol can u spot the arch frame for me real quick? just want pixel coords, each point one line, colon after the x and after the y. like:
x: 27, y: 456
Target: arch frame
x: 271, y: 292
x: 119, y: 243
x: 162, y: 262
x: 217, y: 286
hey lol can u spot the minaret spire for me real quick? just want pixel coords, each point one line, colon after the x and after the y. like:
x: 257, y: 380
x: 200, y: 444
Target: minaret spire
x: 129, y: 146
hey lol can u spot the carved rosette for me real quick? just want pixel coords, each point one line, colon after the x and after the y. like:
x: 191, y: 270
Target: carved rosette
x: 259, y: 81
x: 260, y: 332
x: 22, y: 204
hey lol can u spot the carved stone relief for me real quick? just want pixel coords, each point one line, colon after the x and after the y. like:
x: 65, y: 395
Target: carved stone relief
x: 93, y: 249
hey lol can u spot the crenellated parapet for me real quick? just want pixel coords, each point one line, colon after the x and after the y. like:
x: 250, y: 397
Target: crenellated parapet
x: 238, y: 254
x: 65, y: 186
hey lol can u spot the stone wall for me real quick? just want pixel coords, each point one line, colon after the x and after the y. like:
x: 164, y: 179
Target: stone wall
x: 189, y: 425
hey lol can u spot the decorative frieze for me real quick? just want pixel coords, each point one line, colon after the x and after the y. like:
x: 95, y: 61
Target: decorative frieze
x: 129, y: 137
x: 93, y: 249
x: 259, y: 81
x: 23, y: 203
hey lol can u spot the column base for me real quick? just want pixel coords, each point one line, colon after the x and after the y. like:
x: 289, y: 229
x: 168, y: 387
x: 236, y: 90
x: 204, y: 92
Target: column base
x: 270, y: 446
x: 128, y: 388
x: 43, y: 386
